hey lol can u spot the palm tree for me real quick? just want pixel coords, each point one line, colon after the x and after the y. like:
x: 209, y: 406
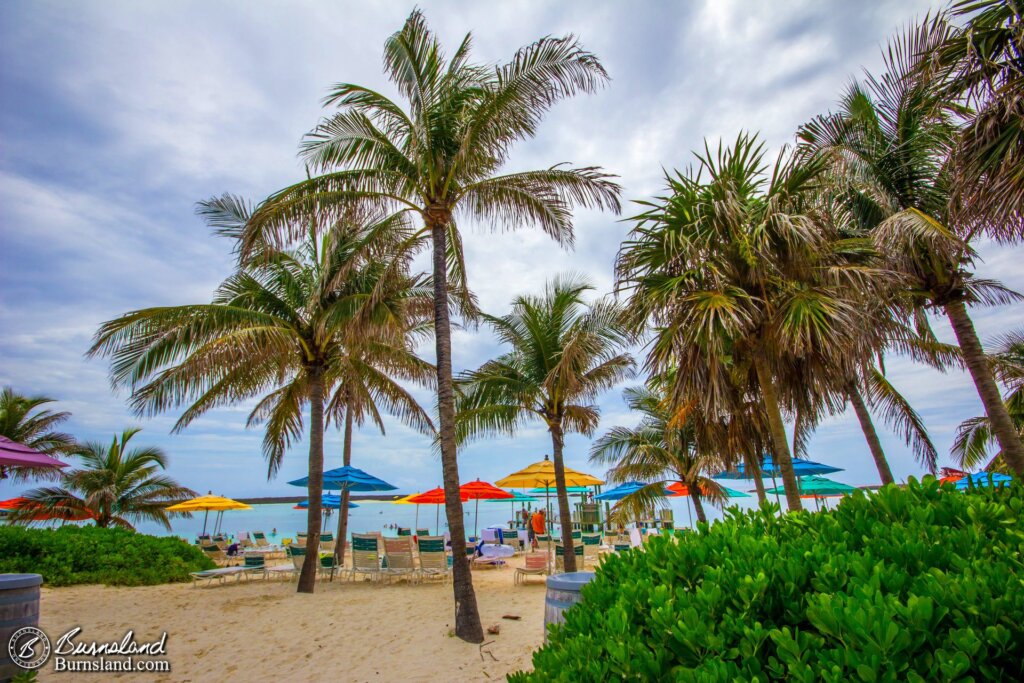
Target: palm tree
x: 439, y: 158
x: 22, y: 419
x: 893, y: 140
x: 279, y: 328
x: 747, y: 286
x: 564, y: 354
x: 663, y: 448
x: 974, y: 438
x: 115, y: 486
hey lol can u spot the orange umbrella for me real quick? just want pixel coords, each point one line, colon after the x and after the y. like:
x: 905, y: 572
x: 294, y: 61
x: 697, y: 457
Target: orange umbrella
x: 41, y: 514
x: 431, y: 497
x: 950, y: 474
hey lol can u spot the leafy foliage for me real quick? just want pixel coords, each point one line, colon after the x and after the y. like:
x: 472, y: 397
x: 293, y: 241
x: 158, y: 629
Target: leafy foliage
x: 919, y: 583
x: 24, y: 420
x: 115, y: 557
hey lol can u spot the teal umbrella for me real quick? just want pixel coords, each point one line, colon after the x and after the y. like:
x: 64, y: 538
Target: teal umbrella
x: 813, y: 486
x: 518, y: 498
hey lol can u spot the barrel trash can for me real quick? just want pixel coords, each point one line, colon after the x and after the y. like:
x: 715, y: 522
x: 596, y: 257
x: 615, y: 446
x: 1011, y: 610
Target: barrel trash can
x: 19, y: 607
x: 563, y: 593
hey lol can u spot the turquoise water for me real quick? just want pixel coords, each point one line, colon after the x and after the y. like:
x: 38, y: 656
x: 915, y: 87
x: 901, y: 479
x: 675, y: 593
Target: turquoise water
x: 370, y: 516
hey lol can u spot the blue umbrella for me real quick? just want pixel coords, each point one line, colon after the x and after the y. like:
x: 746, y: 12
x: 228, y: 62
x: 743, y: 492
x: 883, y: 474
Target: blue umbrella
x: 623, y: 490
x: 801, y: 468
x: 330, y: 501
x: 983, y: 479
x: 349, y: 478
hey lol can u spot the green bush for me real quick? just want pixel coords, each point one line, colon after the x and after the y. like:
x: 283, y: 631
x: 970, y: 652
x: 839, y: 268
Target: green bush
x: 116, y: 557
x: 918, y: 584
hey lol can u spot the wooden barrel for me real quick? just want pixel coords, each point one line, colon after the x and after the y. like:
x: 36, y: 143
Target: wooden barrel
x: 19, y: 607
x: 563, y: 593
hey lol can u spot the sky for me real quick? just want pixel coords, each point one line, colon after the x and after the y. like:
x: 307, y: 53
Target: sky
x: 116, y: 117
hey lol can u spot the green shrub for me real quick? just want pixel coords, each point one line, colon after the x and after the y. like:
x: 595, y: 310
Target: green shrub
x: 917, y: 584
x: 116, y: 557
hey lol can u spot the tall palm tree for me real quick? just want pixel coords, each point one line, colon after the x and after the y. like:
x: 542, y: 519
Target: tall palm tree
x: 747, y: 287
x: 893, y: 140
x: 439, y: 157
x: 115, y: 486
x: 24, y: 420
x: 974, y: 438
x: 278, y: 328
x: 564, y: 354
x: 663, y: 448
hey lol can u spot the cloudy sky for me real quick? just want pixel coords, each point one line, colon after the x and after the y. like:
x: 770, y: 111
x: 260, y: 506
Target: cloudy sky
x: 116, y: 117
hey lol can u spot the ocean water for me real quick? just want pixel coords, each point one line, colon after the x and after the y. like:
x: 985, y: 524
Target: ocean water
x: 377, y: 516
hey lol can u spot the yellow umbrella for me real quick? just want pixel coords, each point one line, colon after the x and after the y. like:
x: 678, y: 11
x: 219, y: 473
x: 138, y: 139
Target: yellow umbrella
x: 207, y: 503
x: 542, y: 475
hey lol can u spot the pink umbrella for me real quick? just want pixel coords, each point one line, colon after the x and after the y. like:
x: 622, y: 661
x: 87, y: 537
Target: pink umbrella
x: 14, y: 454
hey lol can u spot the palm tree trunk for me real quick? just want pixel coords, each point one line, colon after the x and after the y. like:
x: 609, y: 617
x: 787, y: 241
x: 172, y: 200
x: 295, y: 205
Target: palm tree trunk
x: 564, y: 512
x: 698, y: 506
x: 754, y: 469
x: 315, y: 484
x: 868, y: 427
x: 981, y: 372
x: 346, y: 460
x: 467, y: 616
x: 778, y: 433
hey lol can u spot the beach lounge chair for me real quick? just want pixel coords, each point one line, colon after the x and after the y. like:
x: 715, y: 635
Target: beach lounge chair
x: 300, y: 538
x: 255, y: 564
x: 219, y: 574
x: 619, y: 547
x: 297, y: 554
x: 217, y: 554
x: 490, y: 536
x: 404, y: 531
x: 327, y: 543
x: 636, y: 539
x: 560, y: 557
x: 204, y: 539
x: 366, y: 550
x: 327, y: 565
x: 536, y: 565
x: 422, y: 532
x: 260, y: 539
x: 591, y: 547
x: 510, y: 537
x: 433, y: 557
x: 398, y: 557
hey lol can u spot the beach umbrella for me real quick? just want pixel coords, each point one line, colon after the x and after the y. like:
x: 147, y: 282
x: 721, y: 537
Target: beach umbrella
x: 816, y: 487
x: 206, y: 503
x: 434, y: 496
x: 406, y: 501
x: 950, y: 474
x: 518, y: 498
x: 14, y: 454
x: 542, y: 474
x: 623, y: 490
x: 983, y: 479
x: 348, y: 478
x: 801, y: 468
x: 571, y: 490
x: 39, y: 513
x: 679, y: 489
x: 329, y: 501
x: 481, y: 490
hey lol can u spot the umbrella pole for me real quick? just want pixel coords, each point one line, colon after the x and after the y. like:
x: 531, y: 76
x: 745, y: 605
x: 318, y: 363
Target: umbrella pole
x: 775, y: 487
x: 417, y: 518
x: 437, y: 519
x: 476, y: 518
x: 689, y: 510
x: 205, y: 517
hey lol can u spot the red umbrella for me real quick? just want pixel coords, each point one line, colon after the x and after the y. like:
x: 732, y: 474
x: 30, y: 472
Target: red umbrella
x: 22, y: 504
x: 950, y: 474
x: 481, y: 490
x: 14, y: 454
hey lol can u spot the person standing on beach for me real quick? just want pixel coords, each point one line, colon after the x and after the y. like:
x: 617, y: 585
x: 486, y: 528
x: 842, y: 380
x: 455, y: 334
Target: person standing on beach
x: 538, y: 525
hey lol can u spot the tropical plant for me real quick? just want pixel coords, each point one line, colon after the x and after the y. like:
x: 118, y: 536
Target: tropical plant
x: 282, y: 327
x: 893, y: 141
x: 438, y: 158
x: 662, y: 449
x: 750, y: 290
x: 915, y: 583
x: 24, y: 420
x: 114, y: 486
x: 974, y: 439
x: 564, y: 354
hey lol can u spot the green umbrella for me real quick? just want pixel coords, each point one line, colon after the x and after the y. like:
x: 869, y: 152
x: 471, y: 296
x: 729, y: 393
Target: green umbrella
x: 817, y: 487
x: 519, y: 498
x: 568, y: 489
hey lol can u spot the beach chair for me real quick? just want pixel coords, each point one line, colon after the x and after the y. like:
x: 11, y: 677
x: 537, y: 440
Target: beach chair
x: 210, y: 575
x: 204, y: 540
x: 260, y: 539
x: 422, y: 532
x: 297, y: 554
x: 255, y: 564
x: 366, y: 550
x: 327, y: 543
x: 433, y: 557
x: 217, y: 554
x: 327, y: 565
x: 591, y: 547
x: 577, y: 536
x: 560, y: 557
x: 398, y: 557
x: 300, y: 538
x: 619, y: 547
x: 404, y: 531
x: 536, y: 565
x: 510, y: 537
x: 636, y: 539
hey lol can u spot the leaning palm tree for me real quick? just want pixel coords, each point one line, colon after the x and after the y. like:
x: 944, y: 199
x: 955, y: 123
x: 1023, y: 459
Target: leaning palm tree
x: 115, y: 486
x: 662, y: 449
x: 974, y: 439
x: 24, y: 420
x: 278, y: 328
x: 439, y: 156
x: 564, y: 354
x: 745, y: 286
x: 893, y: 140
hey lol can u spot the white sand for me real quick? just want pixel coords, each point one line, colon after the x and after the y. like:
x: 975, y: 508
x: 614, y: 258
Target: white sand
x: 264, y: 630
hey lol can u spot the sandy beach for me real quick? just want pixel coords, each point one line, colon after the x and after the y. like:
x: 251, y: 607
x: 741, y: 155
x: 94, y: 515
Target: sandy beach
x: 264, y: 630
